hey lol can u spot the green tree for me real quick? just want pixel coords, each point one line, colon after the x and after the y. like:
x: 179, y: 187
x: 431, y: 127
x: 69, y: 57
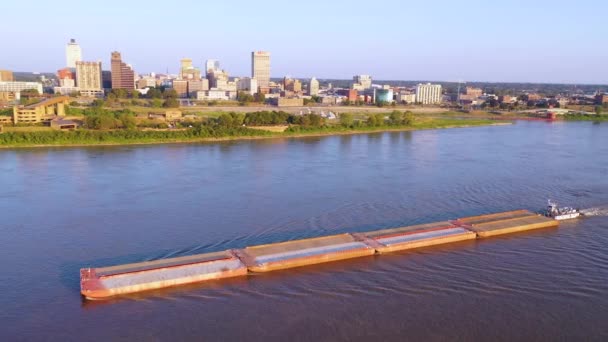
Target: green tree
x: 408, y: 118
x: 396, y: 117
x: 154, y: 93
x: 346, y: 119
x: 127, y: 120
x: 598, y: 110
x: 259, y: 97
x: 170, y: 94
x: 171, y: 102
x: 119, y: 93
x: 98, y: 103
x: 135, y: 94
x: 156, y: 103
x: 244, y: 97
x: 375, y: 120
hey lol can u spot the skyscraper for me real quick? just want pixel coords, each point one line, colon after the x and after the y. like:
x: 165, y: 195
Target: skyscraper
x: 188, y: 71
x: 313, y: 87
x: 123, y: 76
x: 212, y: 64
x: 73, y: 54
x: 260, y: 67
x: 88, y: 78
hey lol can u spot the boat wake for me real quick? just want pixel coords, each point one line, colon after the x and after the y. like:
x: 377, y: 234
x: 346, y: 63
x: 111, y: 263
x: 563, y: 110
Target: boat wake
x: 597, y: 211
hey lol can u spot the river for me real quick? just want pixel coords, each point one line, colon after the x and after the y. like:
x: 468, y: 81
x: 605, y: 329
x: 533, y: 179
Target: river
x: 67, y: 208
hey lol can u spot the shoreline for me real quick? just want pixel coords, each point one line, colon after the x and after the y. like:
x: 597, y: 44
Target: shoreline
x: 261, y: 137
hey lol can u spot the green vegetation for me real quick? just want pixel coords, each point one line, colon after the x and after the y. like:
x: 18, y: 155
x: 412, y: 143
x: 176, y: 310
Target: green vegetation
x: 585, y: 117
x: 102, y: 126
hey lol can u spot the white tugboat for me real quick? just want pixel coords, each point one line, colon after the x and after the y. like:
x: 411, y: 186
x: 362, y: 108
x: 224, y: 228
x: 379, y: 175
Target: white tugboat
x: 560, y: 214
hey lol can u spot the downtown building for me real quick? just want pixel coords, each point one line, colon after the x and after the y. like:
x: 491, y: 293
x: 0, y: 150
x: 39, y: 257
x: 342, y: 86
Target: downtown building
x: 6, y: 76
x: 313, y: 87
x: 428, y: 93
x: 361, y: 82
x: 123, y: 76
x: 88, y: 79
x: 260, y: 68
x: 73, y: 54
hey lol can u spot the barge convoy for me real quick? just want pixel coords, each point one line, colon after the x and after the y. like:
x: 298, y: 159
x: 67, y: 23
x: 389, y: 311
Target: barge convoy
x: 107, y: 282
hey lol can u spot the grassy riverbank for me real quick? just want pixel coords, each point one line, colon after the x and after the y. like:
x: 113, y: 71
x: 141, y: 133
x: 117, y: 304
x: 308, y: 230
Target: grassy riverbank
x: 85, y: 137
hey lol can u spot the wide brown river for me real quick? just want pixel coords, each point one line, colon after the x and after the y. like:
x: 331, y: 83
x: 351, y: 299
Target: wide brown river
x: 66, y: 208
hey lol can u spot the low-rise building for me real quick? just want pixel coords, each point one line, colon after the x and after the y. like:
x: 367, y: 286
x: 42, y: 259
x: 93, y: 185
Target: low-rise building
x: 216, y: 94
x: 248, y: 85
x: 428, y: 93
x: 286, y: 102
x: 406, y: 98
x: 600, y: 99
x: 61, y: 123
x: 42, y: 111
x: 9, y: 96
x: 20, y: 86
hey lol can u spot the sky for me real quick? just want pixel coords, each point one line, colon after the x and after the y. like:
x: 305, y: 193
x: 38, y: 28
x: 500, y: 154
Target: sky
x: 540, y: 41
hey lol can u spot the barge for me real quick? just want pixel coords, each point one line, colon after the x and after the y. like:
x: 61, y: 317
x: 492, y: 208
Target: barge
x: 505, y: 223
x: 423, y: 235
x: 106, y: 282
x: 290, y: 254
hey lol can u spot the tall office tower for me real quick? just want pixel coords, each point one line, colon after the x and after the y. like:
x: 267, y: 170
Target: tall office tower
x: 260, y: 68
x: 88, y: 76
x: 313, y: 87
x: 428, y: 93
x: 187, y: 71
x: 73, y: 53
x: 6, y: 76
x: 212, y: 64
x: 123, y: 76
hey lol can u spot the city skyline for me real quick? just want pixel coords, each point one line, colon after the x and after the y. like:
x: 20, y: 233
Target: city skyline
x: 470, y: 41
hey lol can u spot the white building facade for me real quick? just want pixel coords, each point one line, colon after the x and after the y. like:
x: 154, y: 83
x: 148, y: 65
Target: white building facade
x: 20, y: 86
x: 313, y: 87
x: 428, y: 93
x: 73, y: 54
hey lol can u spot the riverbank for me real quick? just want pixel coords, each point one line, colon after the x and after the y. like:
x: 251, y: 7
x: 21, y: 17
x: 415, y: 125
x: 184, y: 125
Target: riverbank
x: 81, y: 138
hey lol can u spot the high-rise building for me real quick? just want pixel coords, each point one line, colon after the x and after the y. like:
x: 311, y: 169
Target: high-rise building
x: 362, y: 82
x: 6, y: 76
x: 123, y: 76
x: 73, y: 54
x: 212, y: 64
x: 248, y: 85
x: 260, y: 68
x: 428, y: 93
x: 292, y: 85
x: 313, y: 87
x: 188, y: 71
x: 88, y: 78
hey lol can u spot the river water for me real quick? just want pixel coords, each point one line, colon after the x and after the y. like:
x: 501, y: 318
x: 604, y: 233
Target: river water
x: 67, y: 208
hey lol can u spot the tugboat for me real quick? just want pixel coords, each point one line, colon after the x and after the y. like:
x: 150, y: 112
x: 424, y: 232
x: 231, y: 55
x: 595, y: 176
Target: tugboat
x: 560, y: 214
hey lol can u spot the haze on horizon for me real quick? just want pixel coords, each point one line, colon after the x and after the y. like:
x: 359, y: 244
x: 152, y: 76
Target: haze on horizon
x: 519, y: 41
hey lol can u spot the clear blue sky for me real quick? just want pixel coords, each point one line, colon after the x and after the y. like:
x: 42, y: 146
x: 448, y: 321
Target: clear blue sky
x: 512, y: 41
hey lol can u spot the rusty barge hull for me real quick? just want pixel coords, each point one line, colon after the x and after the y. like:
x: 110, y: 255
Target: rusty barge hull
x: 107, y: 282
